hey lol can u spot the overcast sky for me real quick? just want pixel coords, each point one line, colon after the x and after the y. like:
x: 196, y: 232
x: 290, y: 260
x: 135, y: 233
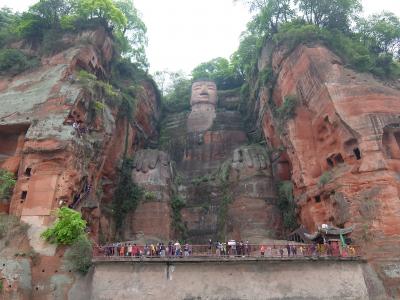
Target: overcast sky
x: 184, y: 33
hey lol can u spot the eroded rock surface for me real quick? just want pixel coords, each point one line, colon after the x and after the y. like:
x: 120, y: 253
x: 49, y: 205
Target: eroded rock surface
x: 341, y: 147
x: 58, y: 165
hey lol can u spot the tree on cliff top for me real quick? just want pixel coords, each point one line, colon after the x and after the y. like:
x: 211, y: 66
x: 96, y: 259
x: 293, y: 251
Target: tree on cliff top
x: 370, y: 46
x: 219, y: 70
x: 381, y: 33
x: 55, y: 17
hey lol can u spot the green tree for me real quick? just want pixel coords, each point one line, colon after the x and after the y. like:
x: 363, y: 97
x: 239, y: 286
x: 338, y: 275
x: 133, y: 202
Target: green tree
x: 68, y: 227
x: 8, y: 21
x: 51, y: 12
x: 381, y: 33
x: 104, y: 11
x: 177, y: 93
x: 7, y: 182
x: 14, y: 61
x: 245, y: 57
x: 332, y: 14
x: 287, y: 205
x: 270, y: 14
x: 80, y: 254
x: 219, y: 70
x: 135, y: 33
x: 126, y: 195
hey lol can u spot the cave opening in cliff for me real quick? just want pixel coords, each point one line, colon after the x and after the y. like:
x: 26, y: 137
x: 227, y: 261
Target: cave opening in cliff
x: 28, y: 172
x: 397, y: 137
x: 339, y: 158
x: 24, y: 194
x: 391, y: 141
x: 12, y: 138
x: 357, y: 153
x: 330, y: 162
x: 317, y: 199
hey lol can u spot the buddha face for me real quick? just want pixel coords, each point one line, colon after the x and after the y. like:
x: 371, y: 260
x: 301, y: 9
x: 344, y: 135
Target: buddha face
x: 204, y: 92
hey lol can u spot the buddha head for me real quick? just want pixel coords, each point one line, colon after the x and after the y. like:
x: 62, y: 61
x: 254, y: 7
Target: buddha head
x: 204, y: 92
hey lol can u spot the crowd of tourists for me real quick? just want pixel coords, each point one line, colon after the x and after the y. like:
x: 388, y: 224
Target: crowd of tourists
x: 230, y: 248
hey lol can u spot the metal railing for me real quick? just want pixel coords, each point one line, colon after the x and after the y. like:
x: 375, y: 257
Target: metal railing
x: 127, y: 250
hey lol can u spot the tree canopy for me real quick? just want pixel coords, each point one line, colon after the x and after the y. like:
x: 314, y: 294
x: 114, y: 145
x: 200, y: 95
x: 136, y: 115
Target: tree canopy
x: 366, y: 44
x: 47, y: 20
x: 219, y: 70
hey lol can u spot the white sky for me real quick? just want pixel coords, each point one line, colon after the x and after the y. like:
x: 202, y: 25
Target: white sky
x: 184, y: 33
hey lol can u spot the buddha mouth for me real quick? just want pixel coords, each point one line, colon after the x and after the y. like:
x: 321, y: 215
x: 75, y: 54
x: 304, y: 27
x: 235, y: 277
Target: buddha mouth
x: 204, y: 94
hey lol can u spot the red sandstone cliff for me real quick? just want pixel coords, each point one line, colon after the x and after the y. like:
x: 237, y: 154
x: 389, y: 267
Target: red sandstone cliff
x: 55, y: 164
x: 341, y: 149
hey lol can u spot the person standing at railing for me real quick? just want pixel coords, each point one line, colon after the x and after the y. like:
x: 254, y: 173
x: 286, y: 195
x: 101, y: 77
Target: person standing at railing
x: 186, y: 249
x: 294, y: 250
x: 247, y: 248
x: 262, y: 251
x: 218, y: 248
x: 223, y: 249
x: 177, y: 248
x: 288, y: 250
x: 210, y: 244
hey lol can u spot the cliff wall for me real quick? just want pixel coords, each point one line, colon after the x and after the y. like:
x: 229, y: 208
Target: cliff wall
x: 340, y: 148
x: 58, y: 164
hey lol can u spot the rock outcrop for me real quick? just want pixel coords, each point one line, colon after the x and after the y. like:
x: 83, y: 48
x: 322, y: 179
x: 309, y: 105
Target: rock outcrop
x: 64, y: 151
x: 341, y: 148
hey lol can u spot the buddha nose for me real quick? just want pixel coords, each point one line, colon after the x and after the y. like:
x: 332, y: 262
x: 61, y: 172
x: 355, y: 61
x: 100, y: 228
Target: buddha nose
x: 204, y: 90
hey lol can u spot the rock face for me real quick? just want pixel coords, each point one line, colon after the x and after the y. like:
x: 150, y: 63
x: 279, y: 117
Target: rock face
x: 227, y: 187
x: 58, y: 164
x: 341, y: 148
x: 152, y: 218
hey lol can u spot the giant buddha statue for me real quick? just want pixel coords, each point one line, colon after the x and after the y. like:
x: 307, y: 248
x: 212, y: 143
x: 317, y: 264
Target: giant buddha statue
x: 203, y: 101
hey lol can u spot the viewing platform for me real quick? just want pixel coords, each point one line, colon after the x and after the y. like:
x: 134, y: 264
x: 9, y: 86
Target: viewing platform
x: 220, y: 259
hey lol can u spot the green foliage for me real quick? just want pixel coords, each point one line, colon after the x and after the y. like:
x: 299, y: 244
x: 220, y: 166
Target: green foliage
x: 134, y: 40
x: 285, y: 112
x: 68, y: 227
x: 332, y: 14
x: 177, y: 94
x: 325, y: 178
x: 370, y: 47
x: 350, y: 49
x: 99, y: 88
x: 381, y: 33
x: 79, y: 256
x: 8, y: 21
x: 288, y: 109
x: 7, y: 182
x: 177, y: 203
x: 1, y: 286
x: 53, y: 42
x: 219, y: 70
x: 10, y: 226
x: 99, y: 106
x: 266, y: 76
x: 47, y: 21
x: 286, y: 205
x: 14, y: 61
x: 150, y: 196
x: 127, y: 194
x: 245, y: 57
